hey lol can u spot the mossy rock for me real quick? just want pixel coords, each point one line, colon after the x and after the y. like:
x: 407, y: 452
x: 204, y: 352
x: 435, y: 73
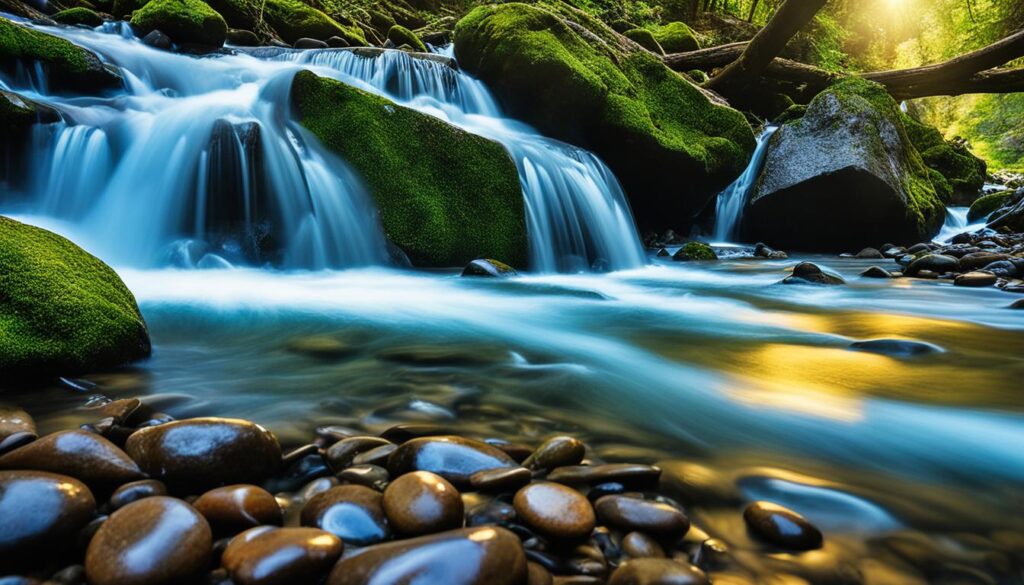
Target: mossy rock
x: 238, y: 14
x: 964, y: 172
x: 190, y: 22
x: 645, y: 39
x: 676, y: 37
x: 292, y: 20
x: 984, y: 206
x: 79, y: 15
x: 445, y: 196
x: 62, y: 311
x: 697, y: 76
x: 575, y: 79
x: 695, y: 251
x: 399, y: 35
x: 381, y: 21
x: 68, y: 67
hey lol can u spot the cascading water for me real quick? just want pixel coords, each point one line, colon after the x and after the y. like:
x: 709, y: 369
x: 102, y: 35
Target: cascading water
x: 199, y: 158
x: 729, y: 206
x: 956, y: 222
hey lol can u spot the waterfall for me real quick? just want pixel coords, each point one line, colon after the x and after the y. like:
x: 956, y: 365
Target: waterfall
x: 730, y: 202
x: 956, y: 223
x: 198, y: 158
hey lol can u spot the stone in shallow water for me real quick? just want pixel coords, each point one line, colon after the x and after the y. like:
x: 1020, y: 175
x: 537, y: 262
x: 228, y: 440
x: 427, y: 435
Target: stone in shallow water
x: 206, y: 452
x: 632, y: 474
x: 487, y: 267
x: 321, y: 347
x: 556, y: 452
x: 80, y: 454
x: 453, y: 458
x: 977, y: 278
x: 39, y: 513
x: 422, y: 503
x: 781, y: 527
x: 1018, y: 304
x: 483, y: 555
x: 657, y: 572
x: 280, y: 556
x: 352, y: 512
x: 937, y: 263
x: 154, y: 541
x: 896, y: 347
x: 653, y: 518
x: 555, y: 510
x: 810, y: 273
x: 692, y: 483
x: 876, y: 272
x: 234, y: 508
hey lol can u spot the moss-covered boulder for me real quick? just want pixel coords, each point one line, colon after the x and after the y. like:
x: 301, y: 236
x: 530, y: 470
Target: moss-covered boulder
x: 964, y: 172
x: 1009, y: 215
x: 694, y: 251
x: 985, y: 205
x: 78, y: 15
x: 62, y: 311
x: 677, y: 37
x: 68, y: 67
x: 445, y: 196
x: 842, y: 177
x: 401, y: 36
x: 575, y: 79
x: 293, y: 20
x: 190, y: 22
x: 645, y: 39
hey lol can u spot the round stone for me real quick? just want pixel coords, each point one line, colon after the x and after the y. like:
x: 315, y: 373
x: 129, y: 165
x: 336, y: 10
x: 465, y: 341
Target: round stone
x: 556, y: 452
x: 371, y: 476
x: 538, y: 575
x: 280, y: 556
x: 352, y: 512
x: 507, y: 479
x: 653, y: 518
x: 206, y: 452
x: 781, y: 527
x: 638, y: 545
x: 83, y: 455
x: 16, y: 427
x: 977, y: 278
x: 630, y: 474
x: 657, y: 572
x: 422, y: 503
x: 555, y: 510
x: 39, y: 512
x: 485, y: 555
x: 153, y: 541
x: 234, y: 508
x: 453, y: 458
x: 136, y: 490
x: 341, y: 454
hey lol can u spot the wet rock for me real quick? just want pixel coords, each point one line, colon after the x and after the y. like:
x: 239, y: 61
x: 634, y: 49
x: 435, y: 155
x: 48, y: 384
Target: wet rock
x: 694, y: 251
x: 693, y: 483
x: 158, y: 40
x: 631, y: 474
x: 1003, y: 269
x: 453, y: 458
x: 135, y: 491
x: 638, y: 545
x: 663, y: 253
x: 421, y: 502
x: 352, y: 512
x: 1018, y: 304
x: 470, y: 556
x: 555, y: 510
x: 40, y: 512
x: 556, y: 452
x: 307, y: 43
x: 537, y: 575
x: 153, y: 541
x: 762, y: 250
x: 399, y: 434
x: 810, y: 273
x: 653, y: 518
x: 492, y: 512
x: 234, y: 508
x: 376, y: 456
x: 280, y: 556
x: 870, y: 253
x: 938, y: 263
x: 657, y: 572
x: 322, y: 347
x: 712, y: 554
x: 876, y: 272
x: 500, y: 480
x: 206, y: 452
x: 977, y: 260
x: 896, y: 347
x: 488, y: 267
x: 16, y: 428
x: 337, y: 42
x: 341, y: 454
x: 371, y: 476
x: 80, y: 454
x: 977, y: 278
x: 781, y: 527
x: 242, y: 38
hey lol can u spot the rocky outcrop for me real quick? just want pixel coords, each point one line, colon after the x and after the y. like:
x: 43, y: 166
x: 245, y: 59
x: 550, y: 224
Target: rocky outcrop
x: 445, y: 196
x: 672, y: 147
x: 844, y: 176
x: 68, y: 67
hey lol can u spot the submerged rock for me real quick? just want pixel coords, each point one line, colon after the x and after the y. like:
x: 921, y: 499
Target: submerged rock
x: 896, y: 347
x: 781, y: 527
x: 810, y: 273
x: 488, y: 267
x: 185, y: 21
x: 876, y: 272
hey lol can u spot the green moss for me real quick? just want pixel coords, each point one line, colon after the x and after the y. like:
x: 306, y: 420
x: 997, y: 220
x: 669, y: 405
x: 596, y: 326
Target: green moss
x: 654, y: 128
x: 399, y: 35
x: 697, y: 76
x: 964, y: 172
x: 645, y: 39
x: 293, y: 20
x: 692, y: 251
x: 78, y: 16
x: 240, y: 14
x: 445, y: 196
x: 185, y: 21
x: 381, y: 21
x: 676, y: 37
x: 986, y: 204
x: 61, y: 310
x: 68, y: 66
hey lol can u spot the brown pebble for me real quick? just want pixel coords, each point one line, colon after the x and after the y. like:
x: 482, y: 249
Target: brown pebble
x: 354, y: 513
x: 500, y: 480
x: 537, y: 575
x: 16, y: 427
x: 556, y: 452
x: 781, y: 527
x: 653, y: 518
x: 638, y: 545
x: 371, y: 476
x: 234, y: 508
x: 624, y: 473
x: 83, y: 455
x: 453, y: 458
x: 421, y: 502
x: 375, y: 456
x: 340, y: 455
x: 281, y: 556
x: 136, y: 490
x: 657, y: 572
x: 39, y: 513
x: 154, y: 541
x: 555, y: 510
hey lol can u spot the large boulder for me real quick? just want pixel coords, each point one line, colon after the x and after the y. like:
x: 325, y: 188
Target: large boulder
x: 445, y: 196
x: 293, y: 20
x: 68, y: 67
x: 1010, y: 215
x: 676, y: 37
x: 842, y: 177
x: 190, y: 22
x: 672, y: 147
x: 62, y: 310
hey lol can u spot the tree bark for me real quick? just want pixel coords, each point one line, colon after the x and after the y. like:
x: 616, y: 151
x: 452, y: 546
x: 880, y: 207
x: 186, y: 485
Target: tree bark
x: 753, y: 9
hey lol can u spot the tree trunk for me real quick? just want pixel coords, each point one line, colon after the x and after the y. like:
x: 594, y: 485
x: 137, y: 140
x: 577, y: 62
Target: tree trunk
x: 753, y: 9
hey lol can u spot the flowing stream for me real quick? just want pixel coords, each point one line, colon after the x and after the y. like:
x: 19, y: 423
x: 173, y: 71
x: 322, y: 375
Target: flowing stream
x: 730, y: 202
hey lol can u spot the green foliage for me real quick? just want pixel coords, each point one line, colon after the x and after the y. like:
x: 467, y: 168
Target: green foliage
x: 645, y: 39
x: 991, y: 123
x: 185, y: 21
x: 78, y: 15
x: 986, y: 204
x: 445, y: 196
x: 293, y: 20
x: 61, y: 310
x: 399, y: 35
x: 676, y: 37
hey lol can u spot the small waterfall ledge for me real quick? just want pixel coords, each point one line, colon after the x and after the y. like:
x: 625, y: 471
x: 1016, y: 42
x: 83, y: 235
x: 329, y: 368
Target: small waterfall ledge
x: 730, y: 202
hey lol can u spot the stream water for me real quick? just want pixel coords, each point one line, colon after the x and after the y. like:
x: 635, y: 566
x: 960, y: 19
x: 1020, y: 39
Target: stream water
x: 710, y: 363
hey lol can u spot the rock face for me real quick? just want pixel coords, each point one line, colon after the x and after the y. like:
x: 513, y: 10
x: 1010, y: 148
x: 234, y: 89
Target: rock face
x: 844, y: 176
x: 68, y: 67
x: 575, y: 79
x: 444, y: 206
x: 64, y: 311
x: 40, y: 512
x: 185, y: 21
